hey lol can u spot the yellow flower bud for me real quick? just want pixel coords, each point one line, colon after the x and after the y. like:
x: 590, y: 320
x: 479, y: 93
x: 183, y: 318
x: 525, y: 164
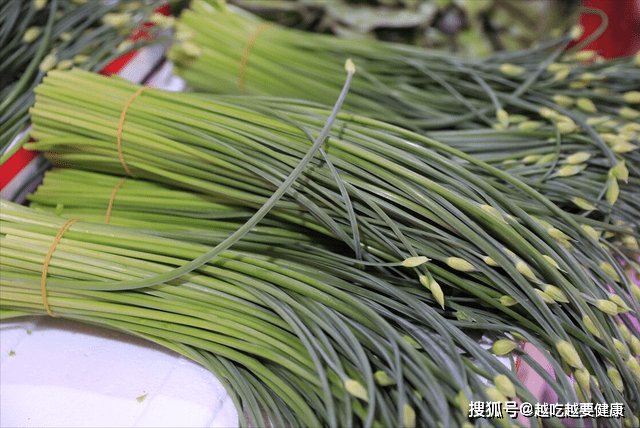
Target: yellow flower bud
x: 526, y: 271
x: 65, y: 36
x: 590, y: 326
x: 503, y: 346
x: 635, y: 289
x: 557, y: 234
x: 585, y: 104
x: 548, y: 158
x: 593, y: 121
x: 607, y: 306
x: 436, y: 290
x: 569, y: 354
x: 503, y: 117
x: 613, y: 191
x: 39, y: 4
x: 609, y: 270
x: 591, y: 231
x: 508, y: 300
x: 566, y: 125
x: 631, y: 97
x: 48, y: 62
x: 616, y: 379
x: 635, y: 345
x: 463, y: 402
x: 624, y: 331
x: 622, y: 306
x: 460, y: 264
x: 563, y: 100
x: 548, y: 113
x: 551, y: 261
x: 545, y: 297
x: 414, y: 261
x: 621, y: 348
x: 489, y: 261
x: 578, y: 84
x: 583, y: 203
x: 504, y: 385
x: 554, y: 67
x: 409, y: 416
x: 116, y: 20
x: 80, y: 59
x: 584, y: 55
x: 512, y: 70
x: 411, y: 341
x: 65, y: 64
x: 556, y: 293
x: 530, y: 158
x: 578, y: 157
x: 569, y: 170
x: 612, y: 139
x: 494, y: 212
x: 356, y: 389
x: 383, y: 379
x: 623, y: 147
x: 31, y: 34
x: 529, y: 126
x: 629, y: 113
x: 620, y: 171
x: 495, y: 395
x: 583, y: 378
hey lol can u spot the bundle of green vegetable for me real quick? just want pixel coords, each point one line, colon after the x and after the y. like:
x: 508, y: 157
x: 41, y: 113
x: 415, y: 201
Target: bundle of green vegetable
x: 143, y: 206
x: 565, y: 127
x: 38, y: 35
x: 391, y: 195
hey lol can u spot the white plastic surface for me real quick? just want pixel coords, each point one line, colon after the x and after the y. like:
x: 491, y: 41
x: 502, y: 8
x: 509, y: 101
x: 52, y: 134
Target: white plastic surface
x: 60, y: 373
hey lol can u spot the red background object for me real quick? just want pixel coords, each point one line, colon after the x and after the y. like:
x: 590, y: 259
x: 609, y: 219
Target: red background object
x: 622, y: 35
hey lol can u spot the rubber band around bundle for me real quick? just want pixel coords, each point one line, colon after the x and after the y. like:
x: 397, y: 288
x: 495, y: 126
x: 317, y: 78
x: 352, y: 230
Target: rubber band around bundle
x: 112, y: 198
x: 47, y: 259
x: 245, y: 56
x: 121, y: 125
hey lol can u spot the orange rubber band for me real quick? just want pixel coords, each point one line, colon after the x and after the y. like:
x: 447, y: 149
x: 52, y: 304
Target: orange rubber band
x: 47, y: 259
x: 112, y: 198
x: 245, y: 56
x: 121, y: 124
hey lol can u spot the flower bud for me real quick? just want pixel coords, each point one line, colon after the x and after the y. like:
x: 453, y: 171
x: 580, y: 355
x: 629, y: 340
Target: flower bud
x: 512, y: 70
x: 494, y: 212
x: 529, y: 126
x: 623, y: 147
x: 508, y: 300
x: 530, y: 159
x: 634, y: 343
x: 620, y: 171
x: 621, y: 348
x: 555, y: 293
x: 116, y: 20
x: 545, y: 297
x: 613, y: 191
x: 414, y: 261
x: 561, y: 75
x: 586, y: 105
x: 569, y: 354
x: 463, y: 402
x: 566, y: 125
x: 409, y: 416
x: 578, y: 157
x: 563, y: 100
x: 590, y: 326
x: 503, y: 346
x: 504, y: 385
x: 39, y: 4
x: 48, y: 62
x: 622, y: 306
x: 616, y: 379
x: 460, y: 264
x: 526, y: 271
x: 411, y: 341
x: 548, y: 158
x: 610, y: 271
x: 629, y: 113
x: 607, y: 306
x: 436, y: 290
x: 503, y: 117
x: 356, y: 389
x: 583, y: 378
x: 383, y: 379
x: 569, y: 170
x: 631, y: 97
x: 583, y: 203
x: 590, y: 231
x: 489, y: 261
x: 31, y: 34
x: 554, y: 67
